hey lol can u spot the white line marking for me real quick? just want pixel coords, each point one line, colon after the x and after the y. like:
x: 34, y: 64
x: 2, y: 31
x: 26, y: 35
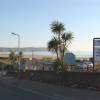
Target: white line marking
x: 57, y: 97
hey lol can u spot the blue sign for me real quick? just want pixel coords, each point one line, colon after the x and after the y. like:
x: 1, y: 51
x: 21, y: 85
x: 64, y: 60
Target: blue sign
x: 69, y: 59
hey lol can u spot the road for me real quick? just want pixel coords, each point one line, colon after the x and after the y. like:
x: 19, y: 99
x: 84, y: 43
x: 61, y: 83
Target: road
x: 13, y: 93
x: 9, y: 92
x: 27, y: 90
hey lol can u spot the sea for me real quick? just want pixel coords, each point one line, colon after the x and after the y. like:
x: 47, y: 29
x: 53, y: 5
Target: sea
x: 78, y: 54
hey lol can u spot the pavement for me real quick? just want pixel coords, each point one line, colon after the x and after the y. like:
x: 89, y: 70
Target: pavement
x: 11, y: 88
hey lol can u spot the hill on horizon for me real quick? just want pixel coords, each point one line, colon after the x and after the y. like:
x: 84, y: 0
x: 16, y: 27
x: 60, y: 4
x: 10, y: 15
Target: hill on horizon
x: 25, y: 49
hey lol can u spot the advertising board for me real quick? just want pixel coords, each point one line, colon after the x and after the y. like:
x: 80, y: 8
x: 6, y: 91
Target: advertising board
x: 96, y: 52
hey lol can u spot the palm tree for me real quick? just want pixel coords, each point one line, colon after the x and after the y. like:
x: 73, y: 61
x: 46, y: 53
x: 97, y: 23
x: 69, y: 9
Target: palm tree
x: 53, y: 46
x: 60, y: 41
x: 57, y: 28
x: 12, y: 57
x: 20, y: 55
x: 67, y: 37
x: 66, y: 40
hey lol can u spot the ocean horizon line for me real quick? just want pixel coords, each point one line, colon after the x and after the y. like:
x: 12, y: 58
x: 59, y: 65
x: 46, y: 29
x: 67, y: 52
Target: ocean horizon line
x: 78, y: 54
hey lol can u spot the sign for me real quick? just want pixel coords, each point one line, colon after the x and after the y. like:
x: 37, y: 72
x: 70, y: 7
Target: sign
x: 96, y: 52
x: 69, y: 58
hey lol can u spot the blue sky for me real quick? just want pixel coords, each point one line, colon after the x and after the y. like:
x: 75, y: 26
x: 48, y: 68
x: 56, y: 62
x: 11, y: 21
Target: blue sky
x: 32, y: 18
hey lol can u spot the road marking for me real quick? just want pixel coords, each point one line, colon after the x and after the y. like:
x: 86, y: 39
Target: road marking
x: 56, y: 96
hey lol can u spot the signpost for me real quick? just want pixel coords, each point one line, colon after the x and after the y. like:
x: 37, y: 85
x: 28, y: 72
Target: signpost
x: 96, y: 52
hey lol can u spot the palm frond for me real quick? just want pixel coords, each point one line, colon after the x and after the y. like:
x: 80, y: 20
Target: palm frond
x: 57, y: 27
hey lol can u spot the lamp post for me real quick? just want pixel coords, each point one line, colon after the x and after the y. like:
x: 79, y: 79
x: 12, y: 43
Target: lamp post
x: 18, y: 47
x: 32, y: 58
x: 32, y: 54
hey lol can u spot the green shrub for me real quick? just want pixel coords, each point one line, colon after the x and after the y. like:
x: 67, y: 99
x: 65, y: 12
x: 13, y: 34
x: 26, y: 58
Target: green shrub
x: 47, y: 59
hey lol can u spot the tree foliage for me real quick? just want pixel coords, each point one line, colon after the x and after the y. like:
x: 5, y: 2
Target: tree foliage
x: 60, y: 42
x: 15, y: 58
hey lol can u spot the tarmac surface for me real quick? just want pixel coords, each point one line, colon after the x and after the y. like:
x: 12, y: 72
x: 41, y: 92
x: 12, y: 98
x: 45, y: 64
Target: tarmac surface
x: 15, y: 89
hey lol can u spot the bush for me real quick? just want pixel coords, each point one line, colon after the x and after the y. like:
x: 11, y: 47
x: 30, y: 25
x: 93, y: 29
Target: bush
x: 47, y: 59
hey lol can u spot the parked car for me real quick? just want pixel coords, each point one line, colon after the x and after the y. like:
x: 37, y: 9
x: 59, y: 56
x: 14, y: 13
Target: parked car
x: 85, y: 66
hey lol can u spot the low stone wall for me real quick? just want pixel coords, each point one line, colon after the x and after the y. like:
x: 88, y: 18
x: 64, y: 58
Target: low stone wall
x: 67, y: 76
x: 71, y: 79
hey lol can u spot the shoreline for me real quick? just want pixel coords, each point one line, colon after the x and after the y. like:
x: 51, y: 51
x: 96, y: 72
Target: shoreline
x: 41, y: 56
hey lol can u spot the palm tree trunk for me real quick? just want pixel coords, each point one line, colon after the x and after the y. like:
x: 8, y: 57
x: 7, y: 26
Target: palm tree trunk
x: 57, y: 55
